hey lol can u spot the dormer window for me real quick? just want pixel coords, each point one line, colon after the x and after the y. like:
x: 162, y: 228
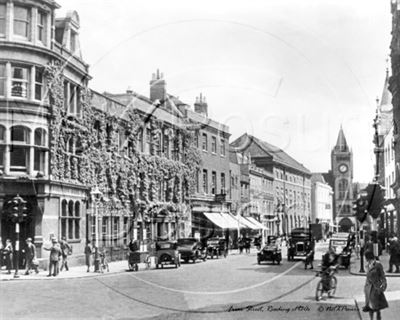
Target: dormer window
x: 22, y: 18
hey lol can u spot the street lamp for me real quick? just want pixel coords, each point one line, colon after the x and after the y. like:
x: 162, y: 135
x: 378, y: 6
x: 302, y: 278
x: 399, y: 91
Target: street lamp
x: 96, y: 196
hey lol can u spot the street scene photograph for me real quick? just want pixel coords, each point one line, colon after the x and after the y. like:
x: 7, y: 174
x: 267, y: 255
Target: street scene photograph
x: 200, y: 159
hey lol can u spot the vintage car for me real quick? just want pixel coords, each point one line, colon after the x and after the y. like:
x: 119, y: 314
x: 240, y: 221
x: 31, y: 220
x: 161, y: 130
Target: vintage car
x: 339, y: 243
x: 191, y: 249
x: 272, y: 251
x: 166, y: 253
x: 299, y: 243
x: 216, y: 247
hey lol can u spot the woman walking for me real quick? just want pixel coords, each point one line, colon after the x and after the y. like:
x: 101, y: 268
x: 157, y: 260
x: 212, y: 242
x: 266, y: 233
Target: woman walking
x: 374, y: 288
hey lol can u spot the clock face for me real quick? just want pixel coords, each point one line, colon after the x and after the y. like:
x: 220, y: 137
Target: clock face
x: 343, y: 168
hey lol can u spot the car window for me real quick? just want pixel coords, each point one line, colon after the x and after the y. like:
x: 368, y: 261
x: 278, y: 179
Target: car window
x: 186, y: 241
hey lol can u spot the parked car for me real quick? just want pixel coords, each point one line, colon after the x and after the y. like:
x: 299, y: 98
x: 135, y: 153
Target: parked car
x: 272, y: 251
x: 166, y: 253
x: 191, y: 249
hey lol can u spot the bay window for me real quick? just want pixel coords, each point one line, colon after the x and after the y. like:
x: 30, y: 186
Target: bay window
x: 71, y: 98
x: 22, y: 19
x: 19, y: 81
x: 39, y: 150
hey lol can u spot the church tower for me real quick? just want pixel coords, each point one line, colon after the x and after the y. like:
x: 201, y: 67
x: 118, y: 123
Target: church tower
x: 342, y: 174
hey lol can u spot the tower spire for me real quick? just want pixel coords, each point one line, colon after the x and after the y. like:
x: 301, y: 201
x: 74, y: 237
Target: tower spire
x: 341, y: 143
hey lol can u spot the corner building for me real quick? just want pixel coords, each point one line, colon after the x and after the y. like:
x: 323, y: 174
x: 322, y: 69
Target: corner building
x: 33, y: 45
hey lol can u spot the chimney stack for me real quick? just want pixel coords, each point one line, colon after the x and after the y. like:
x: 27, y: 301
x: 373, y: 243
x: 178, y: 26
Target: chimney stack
x: 200, y: 106
x: 158, y: 87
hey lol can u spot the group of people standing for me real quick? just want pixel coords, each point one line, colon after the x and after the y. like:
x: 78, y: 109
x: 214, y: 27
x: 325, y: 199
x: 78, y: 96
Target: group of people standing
x: 59, y: 251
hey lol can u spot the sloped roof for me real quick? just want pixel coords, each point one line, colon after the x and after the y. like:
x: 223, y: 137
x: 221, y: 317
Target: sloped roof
x: 317, y: 177
x: 276, y: 154
x: 341, y: 143
x: 386, y: 99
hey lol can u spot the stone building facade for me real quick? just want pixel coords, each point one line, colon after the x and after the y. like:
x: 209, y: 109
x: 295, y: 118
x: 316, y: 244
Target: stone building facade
x: 322, y: 200
x: 59, y: 141
x: 291, y: 183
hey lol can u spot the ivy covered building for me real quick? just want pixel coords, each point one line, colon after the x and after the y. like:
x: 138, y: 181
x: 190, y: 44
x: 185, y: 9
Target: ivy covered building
x: 59, y: 141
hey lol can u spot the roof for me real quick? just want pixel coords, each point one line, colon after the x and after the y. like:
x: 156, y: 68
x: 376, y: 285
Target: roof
x: 386, y: 99
x: 317, y: 177
x: 276, y: 154
x: 341, y: 143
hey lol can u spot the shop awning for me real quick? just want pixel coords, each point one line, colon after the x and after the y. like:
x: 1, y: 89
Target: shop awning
x: 247, y: 224
x: 217, y: 219
x: 232, y: 221
x: 259, y: 225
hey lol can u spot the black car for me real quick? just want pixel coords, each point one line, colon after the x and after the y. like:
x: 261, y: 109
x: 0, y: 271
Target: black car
x: 271, y: 252
x: 191, y: 249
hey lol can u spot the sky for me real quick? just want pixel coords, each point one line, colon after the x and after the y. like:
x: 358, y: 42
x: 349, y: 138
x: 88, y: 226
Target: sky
x: 289, y: 72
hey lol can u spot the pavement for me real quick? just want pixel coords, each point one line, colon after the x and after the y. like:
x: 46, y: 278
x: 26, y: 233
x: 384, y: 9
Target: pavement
x: 384, y: 259
x: 73, y: 272
x: 77, y: 271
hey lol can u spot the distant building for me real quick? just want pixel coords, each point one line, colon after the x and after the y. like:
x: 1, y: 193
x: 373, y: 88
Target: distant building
x: 321, y: 200
x: 341, y: 181
x: 291, y: 183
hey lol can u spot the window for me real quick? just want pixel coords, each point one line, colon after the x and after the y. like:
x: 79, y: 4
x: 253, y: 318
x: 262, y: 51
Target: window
x: 196, y: 139
x: 38, y: 84
x: 105, y: 230
x: 205, y: 181
x: 2, y: 80
x: 39, y: 156
x: 223, y: 191
x: 19, y: 152
x: 222, y: 147
x: 148, y: 141
x: 213, y: 144
x: 21, y: 21
x: 116, y: 231
x: 140, y: 145
x: 205, y: 146
x: 166, y: 145
x: 73, y: 38
x: 70, y: 220
x: 2, y: 20
x: 71, y: 98
x: 41, y: 26
x: 19, y: 82
x: 197, y: 181
x: 213, y: 182
x: 343, y: 185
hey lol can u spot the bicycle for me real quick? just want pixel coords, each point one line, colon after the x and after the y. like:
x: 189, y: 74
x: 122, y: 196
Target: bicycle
x: 327, y: 284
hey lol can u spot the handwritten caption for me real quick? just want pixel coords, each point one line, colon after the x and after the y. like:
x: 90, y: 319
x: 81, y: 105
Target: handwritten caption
x: 298, y: 308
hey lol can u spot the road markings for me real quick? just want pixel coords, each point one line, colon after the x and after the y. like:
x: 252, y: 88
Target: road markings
x: 218, y: 292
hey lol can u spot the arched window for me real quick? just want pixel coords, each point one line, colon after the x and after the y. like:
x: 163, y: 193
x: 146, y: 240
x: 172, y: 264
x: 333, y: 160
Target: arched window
x: 64, y: 218
x: 77, y: 219
x: 343, y: 185
x: 70, y: 219
x: 19, y: 152
x: 40, y: 151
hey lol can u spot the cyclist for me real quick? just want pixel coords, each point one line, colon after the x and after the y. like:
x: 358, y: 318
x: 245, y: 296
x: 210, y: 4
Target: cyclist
x: 329, y: 263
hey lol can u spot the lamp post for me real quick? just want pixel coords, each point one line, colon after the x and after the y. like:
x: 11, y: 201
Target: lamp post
x: 96, y: 194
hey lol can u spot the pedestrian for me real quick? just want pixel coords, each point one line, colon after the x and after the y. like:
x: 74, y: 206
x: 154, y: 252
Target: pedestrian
x: 8, y: 255
x: 88, y: 254
x: 309, y: 255
x: 240, y: 244
x: 30, y: 257
x: 54, y: 258
x: 375, y: 285
x: 394, y: 252
x: 65, y: 251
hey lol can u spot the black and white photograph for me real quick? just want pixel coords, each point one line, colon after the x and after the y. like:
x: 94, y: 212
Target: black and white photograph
x: 215, y: 159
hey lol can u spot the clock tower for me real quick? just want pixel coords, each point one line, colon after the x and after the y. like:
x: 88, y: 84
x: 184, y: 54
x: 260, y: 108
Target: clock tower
x: 342, y: 174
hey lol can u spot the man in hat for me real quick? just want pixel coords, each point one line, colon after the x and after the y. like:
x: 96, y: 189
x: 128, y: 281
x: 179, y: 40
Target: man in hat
x: 65, y: 250
x: 30, y: 257
x: 54, y: 258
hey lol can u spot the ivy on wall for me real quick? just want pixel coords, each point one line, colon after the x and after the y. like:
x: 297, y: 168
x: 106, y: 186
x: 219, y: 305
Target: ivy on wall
x: 97, y: 159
